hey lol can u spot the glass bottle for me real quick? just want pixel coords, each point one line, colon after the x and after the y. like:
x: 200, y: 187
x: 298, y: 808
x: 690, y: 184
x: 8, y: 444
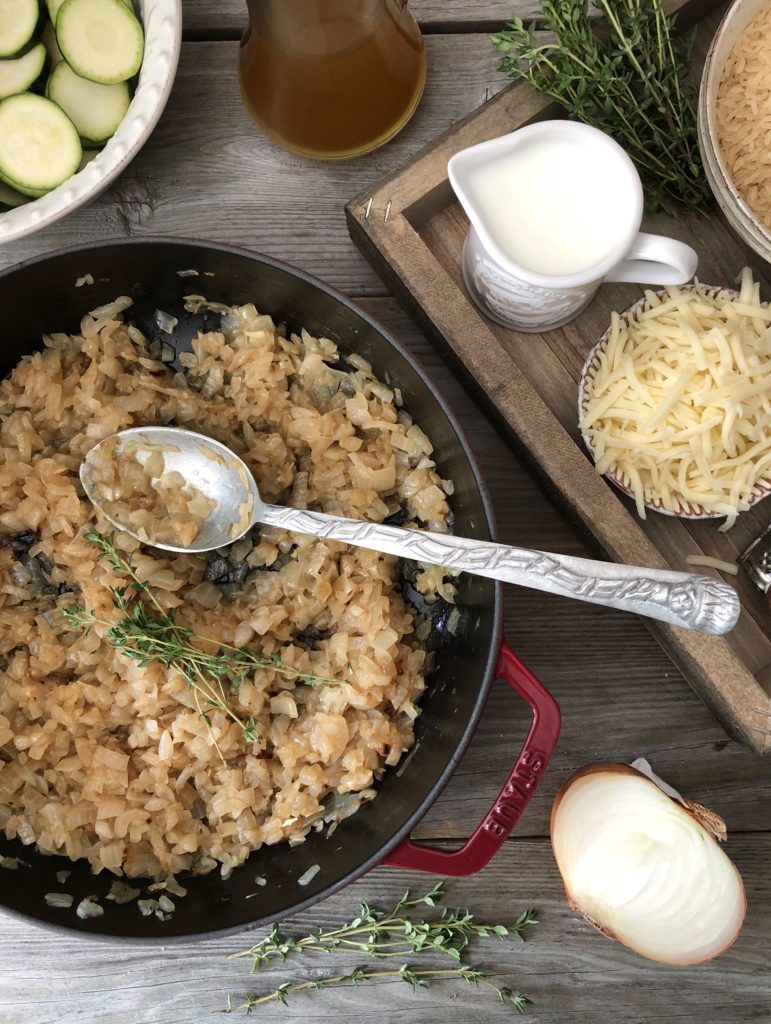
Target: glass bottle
x: 331, y: 78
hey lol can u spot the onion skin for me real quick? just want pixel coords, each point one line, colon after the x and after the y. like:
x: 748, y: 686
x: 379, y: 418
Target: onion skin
x: 708, y: 821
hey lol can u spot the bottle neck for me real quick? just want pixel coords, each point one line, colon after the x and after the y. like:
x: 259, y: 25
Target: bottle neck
x: 317, y: 28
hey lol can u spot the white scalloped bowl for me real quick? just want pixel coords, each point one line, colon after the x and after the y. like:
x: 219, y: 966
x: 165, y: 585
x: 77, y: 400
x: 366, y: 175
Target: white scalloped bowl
x: 162, y: 22
x: 741, y: 218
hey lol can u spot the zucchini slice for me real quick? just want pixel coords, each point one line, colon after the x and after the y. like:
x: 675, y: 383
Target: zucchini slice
x: 88, y: 156
x: 19, y: 73
x: 54, y: 5
x: 39, y: 145
x: 96, y: 110
x: 53, y: 9
x: 101, y: 40
x: 10, y: 198
x: 48, y: 39
x: 18, y: 21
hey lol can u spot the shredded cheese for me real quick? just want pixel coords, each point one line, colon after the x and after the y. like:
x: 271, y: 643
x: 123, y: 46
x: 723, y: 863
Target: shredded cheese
x: 713, y: 563
x: 676, y: 403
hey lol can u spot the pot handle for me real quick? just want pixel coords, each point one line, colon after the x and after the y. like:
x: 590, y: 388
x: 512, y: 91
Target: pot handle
x: 515, y: 795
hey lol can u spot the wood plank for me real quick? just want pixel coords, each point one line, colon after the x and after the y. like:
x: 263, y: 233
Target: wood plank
x: 410, y: 226
x: 714, y: 667
x: 573, y: 974
x: 227, y: 19
x: 204, y: 18
x: 208, y: 172
x: 620, y: 696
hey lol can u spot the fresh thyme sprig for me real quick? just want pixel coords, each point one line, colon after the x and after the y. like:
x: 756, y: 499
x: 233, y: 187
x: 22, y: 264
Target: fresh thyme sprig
x: 623, y: 71
x: 381, y: 934
x: 415, y: 977
x: 147, y: 632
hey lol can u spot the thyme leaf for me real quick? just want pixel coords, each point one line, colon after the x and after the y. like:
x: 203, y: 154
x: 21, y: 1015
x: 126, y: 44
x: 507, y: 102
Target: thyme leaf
x: 391, y: 933
x: 395, y: 933
x: 625, y: 72
x: 415, y: 977
x: 146, y: 632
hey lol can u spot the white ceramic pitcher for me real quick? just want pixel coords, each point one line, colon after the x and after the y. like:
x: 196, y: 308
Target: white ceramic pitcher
x: 525, y: 300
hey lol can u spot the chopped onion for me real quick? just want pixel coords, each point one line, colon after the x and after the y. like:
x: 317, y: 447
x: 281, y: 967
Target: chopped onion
x: 166, y: 322
x: 644, y: 867
x: 61, y: 900
x: 112, y: 309
x: 309, y: 875
x: 121, y: 892
x: 88, y: 908
x: 13, y: 863
x: 173, y: 886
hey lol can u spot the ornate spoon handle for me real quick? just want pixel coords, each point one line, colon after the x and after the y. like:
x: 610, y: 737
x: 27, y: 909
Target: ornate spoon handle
x: 682, y: 599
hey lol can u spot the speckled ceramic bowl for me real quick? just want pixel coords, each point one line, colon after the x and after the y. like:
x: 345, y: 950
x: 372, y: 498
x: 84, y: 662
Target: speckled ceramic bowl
x: 686, y: 510
x: 741, y: 218
x: 162, y: 21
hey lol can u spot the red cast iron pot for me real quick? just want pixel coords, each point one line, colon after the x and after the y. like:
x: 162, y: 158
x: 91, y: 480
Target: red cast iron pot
x: 40, y: 296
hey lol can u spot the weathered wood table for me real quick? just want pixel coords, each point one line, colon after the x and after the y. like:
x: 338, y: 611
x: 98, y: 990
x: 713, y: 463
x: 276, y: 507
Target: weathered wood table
x: 208, y: 173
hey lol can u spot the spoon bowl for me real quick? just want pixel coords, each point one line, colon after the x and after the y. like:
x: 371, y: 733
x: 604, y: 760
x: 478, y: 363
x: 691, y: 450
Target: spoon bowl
x: 212, y: 468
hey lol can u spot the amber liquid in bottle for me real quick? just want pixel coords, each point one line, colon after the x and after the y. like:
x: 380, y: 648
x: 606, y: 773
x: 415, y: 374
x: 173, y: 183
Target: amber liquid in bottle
x: 331, y: 78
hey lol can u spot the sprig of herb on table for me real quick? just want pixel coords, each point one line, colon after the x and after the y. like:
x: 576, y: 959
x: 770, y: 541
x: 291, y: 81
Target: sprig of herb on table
x: 623, y: 72
x: 414, y: 976
x: 147, y: 632
x: 381, y: 934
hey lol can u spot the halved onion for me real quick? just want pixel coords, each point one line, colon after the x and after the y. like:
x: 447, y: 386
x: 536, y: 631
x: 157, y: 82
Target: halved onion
x: 644, y: 867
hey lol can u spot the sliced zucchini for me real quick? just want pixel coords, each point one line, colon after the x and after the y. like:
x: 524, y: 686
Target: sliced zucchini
x: 88, y: 156
x: 19, y: 73
x: 39, y: 145
x: 48, y: 39
x: 96, y: 110
x: 53, y: 9
x: 18, y: 21
x: 101, y: 40
x: 10, y: 198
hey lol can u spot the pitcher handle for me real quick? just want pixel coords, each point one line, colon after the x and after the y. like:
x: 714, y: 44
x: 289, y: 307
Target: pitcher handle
x: 654, y: 259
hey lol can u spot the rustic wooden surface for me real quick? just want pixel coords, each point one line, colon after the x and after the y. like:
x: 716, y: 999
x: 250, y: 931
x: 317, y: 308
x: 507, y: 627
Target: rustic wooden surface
x: 413, y: 229
x: 207, y: 173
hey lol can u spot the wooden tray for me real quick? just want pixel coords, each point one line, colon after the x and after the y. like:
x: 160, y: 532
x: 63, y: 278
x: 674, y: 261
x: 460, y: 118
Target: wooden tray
x: 411, y: 228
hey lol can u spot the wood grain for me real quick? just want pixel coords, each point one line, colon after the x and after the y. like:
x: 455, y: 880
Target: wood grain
x: 620, y: 697
x: 228, y: 17
x: 207, y: 172
x: 572, y: 974
x: 615, y: 706
x: 412, y: 228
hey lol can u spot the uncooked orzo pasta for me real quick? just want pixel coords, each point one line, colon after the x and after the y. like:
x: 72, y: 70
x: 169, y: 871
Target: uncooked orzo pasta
x: 743, y: 112
x: 105, y: 760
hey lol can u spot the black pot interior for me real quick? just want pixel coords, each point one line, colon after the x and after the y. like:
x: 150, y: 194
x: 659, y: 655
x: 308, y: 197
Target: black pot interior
x: 41, y: 297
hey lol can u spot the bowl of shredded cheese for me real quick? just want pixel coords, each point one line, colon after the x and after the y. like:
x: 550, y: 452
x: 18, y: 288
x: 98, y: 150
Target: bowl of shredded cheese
x: 675, y: 401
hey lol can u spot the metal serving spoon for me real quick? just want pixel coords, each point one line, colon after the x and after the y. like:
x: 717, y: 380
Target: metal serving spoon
x: 696, y: 602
